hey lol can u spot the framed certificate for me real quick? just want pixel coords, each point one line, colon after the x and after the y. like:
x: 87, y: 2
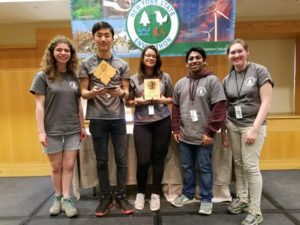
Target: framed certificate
x: 151, y: 89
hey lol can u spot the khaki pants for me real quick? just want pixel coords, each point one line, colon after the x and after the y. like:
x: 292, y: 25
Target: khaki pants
x: 246, y: 162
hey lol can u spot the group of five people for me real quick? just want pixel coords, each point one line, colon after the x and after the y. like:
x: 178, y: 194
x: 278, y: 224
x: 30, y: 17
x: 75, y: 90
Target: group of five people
x: 200, y: 106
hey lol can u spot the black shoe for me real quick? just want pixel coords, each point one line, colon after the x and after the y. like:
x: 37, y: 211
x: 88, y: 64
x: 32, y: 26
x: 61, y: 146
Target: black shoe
x: 105, y: 203
x: 124, y: 205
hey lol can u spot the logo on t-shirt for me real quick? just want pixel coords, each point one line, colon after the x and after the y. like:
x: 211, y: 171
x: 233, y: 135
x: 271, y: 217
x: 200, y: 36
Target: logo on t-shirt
x: 153, y: 22
x: 250, y: 81
x: 201, y: 91
x: 73, y: 85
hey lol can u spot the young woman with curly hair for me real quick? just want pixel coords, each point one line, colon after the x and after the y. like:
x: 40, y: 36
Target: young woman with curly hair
x: 59, y: 117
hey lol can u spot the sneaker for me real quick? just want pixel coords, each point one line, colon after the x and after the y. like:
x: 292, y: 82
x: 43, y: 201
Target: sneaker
x: 205, y: 208
x: 105, y: 203
x: 182, y: 200
x: 237, y: 206
x: 155, y: 202
x: 252, y: 219
x: 139, y: 201
x: 56, y: 206
x: 124, y: 205
x: 68, y: 207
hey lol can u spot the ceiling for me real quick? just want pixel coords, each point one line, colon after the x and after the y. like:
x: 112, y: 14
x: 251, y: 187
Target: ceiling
x: 36, y: 11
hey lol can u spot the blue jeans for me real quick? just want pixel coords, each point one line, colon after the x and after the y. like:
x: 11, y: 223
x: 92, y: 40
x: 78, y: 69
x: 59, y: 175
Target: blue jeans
x: 194, y: 158
x: 101, y: 130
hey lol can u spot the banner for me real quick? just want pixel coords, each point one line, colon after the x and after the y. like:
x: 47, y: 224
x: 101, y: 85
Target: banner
x: 172, y: 26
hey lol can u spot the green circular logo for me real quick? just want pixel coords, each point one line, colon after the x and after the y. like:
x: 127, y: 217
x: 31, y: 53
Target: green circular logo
x: 152, y: 22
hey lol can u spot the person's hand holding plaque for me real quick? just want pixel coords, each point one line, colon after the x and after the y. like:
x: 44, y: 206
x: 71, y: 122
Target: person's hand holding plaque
x: 142, y: 101
x: 115, y: 91
x: 98, y: 91
x: 162, y: 100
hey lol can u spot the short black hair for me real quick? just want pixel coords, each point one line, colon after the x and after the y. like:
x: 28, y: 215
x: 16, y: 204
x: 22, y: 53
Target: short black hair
x: 200, y: 50
x: 102, y: 25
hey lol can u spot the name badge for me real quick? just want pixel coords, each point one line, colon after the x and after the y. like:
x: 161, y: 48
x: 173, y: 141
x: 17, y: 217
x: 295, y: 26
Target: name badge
x: 194, y: 115
x: 151, y: 109
x: 238, y: 112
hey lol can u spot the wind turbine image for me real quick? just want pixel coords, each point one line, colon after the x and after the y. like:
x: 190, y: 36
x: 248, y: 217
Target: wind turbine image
x: 208, y: 34
x: 216, y: 13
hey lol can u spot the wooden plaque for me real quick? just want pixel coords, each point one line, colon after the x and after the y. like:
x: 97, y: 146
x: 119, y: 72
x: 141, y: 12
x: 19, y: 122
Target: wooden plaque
x: 104, y: 72
x: 151, y: 89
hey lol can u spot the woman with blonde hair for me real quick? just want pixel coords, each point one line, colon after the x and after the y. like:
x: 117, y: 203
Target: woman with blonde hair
x: 248, y: 88
x: 59, y: 118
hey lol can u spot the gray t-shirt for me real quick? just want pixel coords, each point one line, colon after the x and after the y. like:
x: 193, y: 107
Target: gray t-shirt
x: 242, y: 88
x: 208, y: 90
x: 61, y: 102
x: 104, y: 107
x: 161, y: 111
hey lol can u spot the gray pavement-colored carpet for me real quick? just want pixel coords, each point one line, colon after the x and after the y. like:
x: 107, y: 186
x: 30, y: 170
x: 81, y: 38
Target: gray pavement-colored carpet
x: 26, y: 201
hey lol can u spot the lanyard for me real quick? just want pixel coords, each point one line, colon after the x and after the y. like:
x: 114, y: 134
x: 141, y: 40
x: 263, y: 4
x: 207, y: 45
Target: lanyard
x: 237, y: 89
x: 107, y: 60
x: 193, y: 88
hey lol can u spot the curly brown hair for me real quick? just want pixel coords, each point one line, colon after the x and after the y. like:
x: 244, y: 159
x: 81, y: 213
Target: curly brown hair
x: 48, y: 63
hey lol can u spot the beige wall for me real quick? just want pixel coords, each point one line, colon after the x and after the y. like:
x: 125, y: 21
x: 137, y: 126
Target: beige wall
x: 278, y: 56
x: 24, y: 34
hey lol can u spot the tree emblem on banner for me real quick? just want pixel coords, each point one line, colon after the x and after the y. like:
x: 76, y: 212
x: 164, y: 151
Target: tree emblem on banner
x: 153, y: 23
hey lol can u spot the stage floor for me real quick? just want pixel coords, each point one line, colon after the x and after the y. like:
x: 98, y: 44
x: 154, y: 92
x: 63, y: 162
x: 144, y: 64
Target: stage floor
x: 26, y: 201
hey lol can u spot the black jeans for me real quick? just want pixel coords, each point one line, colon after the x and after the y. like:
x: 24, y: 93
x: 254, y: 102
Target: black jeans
x: 101, y: 130
x: 151, y: 144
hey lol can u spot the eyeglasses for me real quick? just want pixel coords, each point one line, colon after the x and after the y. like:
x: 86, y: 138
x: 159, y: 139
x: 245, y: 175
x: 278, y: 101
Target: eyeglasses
x: 150, y: 56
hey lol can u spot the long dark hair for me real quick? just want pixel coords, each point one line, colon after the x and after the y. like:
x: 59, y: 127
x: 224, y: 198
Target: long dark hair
x: 142, y: 68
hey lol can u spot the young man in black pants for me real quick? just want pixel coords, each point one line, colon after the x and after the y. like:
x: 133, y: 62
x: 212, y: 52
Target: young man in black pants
x: 105, y: 110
